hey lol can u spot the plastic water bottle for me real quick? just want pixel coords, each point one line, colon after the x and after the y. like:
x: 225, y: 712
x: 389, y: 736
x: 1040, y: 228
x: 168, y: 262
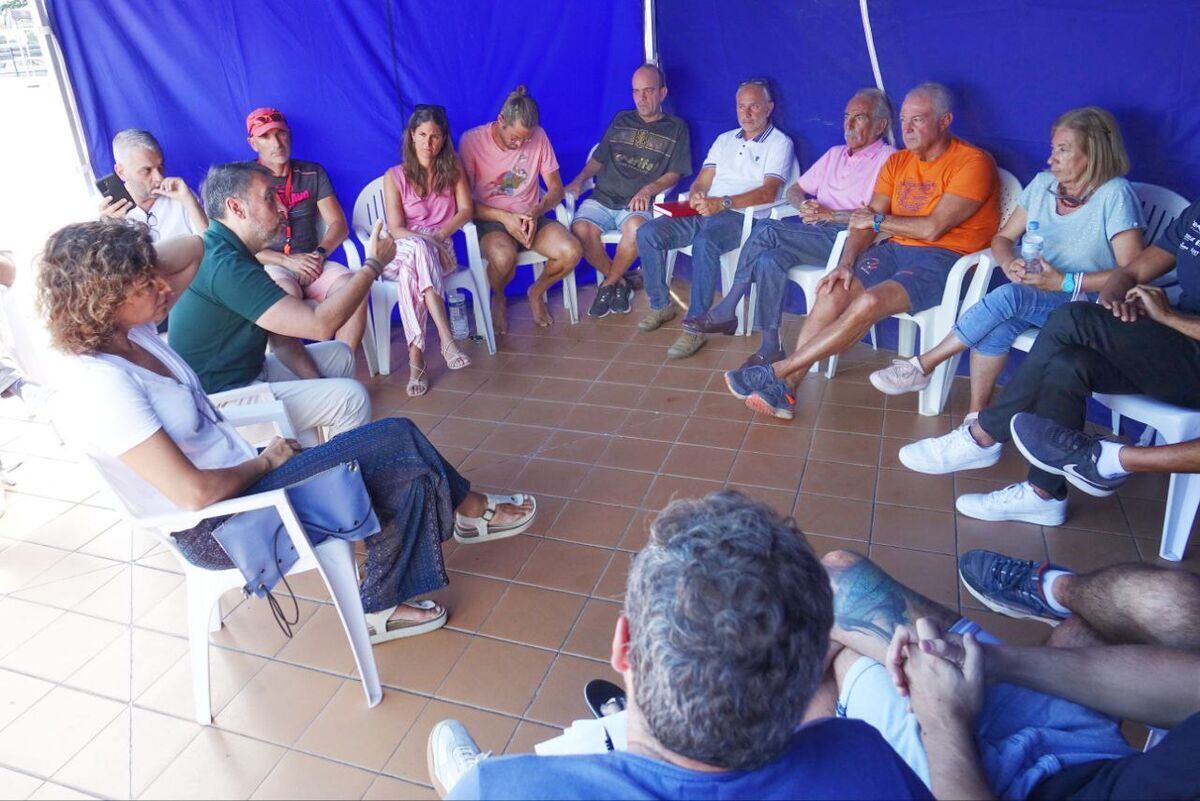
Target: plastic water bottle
x: 458, y: 315
x: 1031, y: 248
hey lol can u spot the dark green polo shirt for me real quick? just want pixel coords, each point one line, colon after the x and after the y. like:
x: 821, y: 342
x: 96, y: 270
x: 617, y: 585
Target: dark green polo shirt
x: 212, y: 325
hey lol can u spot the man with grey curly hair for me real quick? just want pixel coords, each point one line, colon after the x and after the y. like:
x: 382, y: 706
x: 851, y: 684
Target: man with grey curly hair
x: 721, y: 648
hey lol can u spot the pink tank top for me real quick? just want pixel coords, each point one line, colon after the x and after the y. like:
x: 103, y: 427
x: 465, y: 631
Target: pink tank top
x: 428, y: 213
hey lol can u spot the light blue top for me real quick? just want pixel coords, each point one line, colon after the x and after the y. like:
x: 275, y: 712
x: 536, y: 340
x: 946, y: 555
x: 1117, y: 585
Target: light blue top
x: 1081, y: 242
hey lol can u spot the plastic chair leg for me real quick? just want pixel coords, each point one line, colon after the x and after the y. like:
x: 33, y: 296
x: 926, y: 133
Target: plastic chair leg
x: 906, y: 344
x: 336, y: 558
x: 379, y: 328
x: 571, y: 297
x: 1116, y: 423
x: 1183, y: 498
x: 200, y: 605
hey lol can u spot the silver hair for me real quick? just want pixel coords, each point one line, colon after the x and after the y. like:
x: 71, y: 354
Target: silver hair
x: 761, y: 83
x: 729, y: 619
x: 941, y: 97
x: 133, y: 139
x: 881, y: 104
x: 224, y: 181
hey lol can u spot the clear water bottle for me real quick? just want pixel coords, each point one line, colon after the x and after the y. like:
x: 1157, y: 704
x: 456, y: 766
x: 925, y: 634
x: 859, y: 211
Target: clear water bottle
x: 458, y: 315
x: 1031, y: 248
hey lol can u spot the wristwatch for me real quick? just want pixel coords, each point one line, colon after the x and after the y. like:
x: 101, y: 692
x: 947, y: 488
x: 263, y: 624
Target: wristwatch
x: 877, y: 221
x: 727, y: 202
x: 1068, y: 284
x: 322, y: 252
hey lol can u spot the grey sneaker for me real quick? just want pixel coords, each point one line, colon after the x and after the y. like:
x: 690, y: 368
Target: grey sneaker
x: 1064, y: 452
x: 602, y: 304
x: 622, y: 299
x: 903, y: 376
x: 1012, y: 587
x: 655, y: 318
x: 686, y: 345
x: 449, y: 754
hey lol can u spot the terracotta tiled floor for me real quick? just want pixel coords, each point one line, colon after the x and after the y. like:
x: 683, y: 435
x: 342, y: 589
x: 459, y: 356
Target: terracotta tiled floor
x: 94, y: 682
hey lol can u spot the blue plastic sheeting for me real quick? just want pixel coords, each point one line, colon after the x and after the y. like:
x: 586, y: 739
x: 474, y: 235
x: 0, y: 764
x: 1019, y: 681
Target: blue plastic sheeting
x: 346, y: 74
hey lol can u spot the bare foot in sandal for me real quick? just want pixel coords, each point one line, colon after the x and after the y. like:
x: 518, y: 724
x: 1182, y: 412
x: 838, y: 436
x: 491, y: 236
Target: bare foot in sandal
x: 407, y: 619
x: 455, y: 358
x: 482, y: 518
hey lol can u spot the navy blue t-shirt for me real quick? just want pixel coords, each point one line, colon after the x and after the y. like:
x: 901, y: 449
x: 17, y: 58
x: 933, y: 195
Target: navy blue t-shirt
x: 831, y: 758
x: 1182, y: 238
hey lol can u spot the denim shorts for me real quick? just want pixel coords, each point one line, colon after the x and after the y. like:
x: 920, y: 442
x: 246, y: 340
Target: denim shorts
x: 1023, y: 736
x: 921, y: 271
x: 604, y: 218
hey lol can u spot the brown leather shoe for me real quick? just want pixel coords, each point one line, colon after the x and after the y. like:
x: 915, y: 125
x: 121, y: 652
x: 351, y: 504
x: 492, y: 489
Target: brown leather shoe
x: 705, y: 324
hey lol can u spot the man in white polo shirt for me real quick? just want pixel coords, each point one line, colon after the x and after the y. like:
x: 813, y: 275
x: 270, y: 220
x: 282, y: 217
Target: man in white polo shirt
x: 165, y: 205
x: 744, y: 167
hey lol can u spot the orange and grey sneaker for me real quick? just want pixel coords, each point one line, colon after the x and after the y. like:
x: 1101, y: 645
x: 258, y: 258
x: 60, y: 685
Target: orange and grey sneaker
x: 775, y: 399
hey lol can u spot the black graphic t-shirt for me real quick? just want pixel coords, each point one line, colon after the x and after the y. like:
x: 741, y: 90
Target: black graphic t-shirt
x: 1182, y: 238
x: 635, y: 152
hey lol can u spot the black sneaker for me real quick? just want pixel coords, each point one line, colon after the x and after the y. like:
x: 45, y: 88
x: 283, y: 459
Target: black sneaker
x: 1064, y: 452
x: 604, y: 698
x: 622, y: 297
x: 1012, y: 587
x: 602, y: 305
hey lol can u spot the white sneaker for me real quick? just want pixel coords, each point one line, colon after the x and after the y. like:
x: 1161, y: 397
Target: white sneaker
x: 957, y: 450
x: 1015, y: 502
x: 903, y: 376
x: 449, y: 754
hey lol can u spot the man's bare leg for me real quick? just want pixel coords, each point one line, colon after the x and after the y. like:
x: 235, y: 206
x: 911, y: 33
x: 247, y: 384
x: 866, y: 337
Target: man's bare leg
x: 868, y: 604
x: 1136, y: 604
x: 866, y: 309
x: 627, y: 249
x: 593, y: 249
x: 985, y: 372
x: 500, y: 251
x: 352, y: 330
x: 563, y: 252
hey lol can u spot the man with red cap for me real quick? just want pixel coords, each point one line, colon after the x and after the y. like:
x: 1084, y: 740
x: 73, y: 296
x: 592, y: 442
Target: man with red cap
x: 296, y: 258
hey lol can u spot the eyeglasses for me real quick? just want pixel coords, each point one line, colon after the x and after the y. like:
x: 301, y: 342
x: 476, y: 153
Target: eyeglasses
x: 1070, y: 201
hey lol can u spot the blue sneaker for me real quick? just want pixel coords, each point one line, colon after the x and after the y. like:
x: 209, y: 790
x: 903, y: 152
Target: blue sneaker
x: 1064, y: 452
x: 1012, y: 587
x: 745, y: 380
x: 775, y: 399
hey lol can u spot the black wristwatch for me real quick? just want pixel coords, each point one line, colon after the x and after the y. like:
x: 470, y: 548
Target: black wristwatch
x: 727, y: 202
x: 323, y: 253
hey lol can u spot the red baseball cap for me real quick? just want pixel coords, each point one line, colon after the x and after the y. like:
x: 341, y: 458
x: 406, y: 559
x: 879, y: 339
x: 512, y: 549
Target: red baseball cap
x: 262, y: 120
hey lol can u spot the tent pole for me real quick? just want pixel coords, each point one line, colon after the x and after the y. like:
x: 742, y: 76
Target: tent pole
x: 865, y: 13
x: 649, y: 33
x: 53, y: 53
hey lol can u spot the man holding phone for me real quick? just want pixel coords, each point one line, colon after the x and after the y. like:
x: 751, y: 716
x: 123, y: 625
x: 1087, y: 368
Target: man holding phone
x: 138, y: 190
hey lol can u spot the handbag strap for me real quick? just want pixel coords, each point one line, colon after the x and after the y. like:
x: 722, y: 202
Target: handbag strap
x: 277, y: 612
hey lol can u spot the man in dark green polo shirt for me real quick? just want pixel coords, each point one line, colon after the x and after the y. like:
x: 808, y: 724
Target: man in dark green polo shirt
x: 224, y: 319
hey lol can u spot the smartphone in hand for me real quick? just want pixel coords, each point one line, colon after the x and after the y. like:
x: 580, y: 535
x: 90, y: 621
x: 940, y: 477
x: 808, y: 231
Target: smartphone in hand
x: 113, y: 187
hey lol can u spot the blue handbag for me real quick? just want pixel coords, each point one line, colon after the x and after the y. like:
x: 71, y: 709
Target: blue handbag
x: 332, y: 503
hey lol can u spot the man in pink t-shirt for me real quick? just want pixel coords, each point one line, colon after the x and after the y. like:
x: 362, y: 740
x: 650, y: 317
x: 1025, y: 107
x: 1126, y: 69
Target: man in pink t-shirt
x: 504, y: 161
x: 842, y: 180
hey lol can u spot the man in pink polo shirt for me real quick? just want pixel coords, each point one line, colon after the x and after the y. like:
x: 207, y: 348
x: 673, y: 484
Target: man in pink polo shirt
x: 842, y: 180
x: 505, y: 161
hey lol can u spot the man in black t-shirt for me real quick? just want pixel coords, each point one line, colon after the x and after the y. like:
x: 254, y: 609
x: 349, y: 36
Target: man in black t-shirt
x: 643, y: 153
x: 1135, y: 341
x: 296, y: 259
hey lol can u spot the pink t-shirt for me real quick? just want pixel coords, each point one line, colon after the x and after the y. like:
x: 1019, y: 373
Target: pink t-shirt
x: 426, y: 213
x: 840, y: 180
x: 506, y: 179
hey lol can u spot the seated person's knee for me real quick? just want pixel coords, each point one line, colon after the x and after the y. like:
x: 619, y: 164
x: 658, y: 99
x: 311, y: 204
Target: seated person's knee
x: 840, y: 560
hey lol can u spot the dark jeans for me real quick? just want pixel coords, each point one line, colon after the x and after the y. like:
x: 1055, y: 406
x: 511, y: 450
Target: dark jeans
x: 1084, y: 349
x: 774, y: 247
x: 413, y: 490
x: 709, y: 237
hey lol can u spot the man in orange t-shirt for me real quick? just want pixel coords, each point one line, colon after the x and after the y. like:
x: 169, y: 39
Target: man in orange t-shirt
x: 939, y: 200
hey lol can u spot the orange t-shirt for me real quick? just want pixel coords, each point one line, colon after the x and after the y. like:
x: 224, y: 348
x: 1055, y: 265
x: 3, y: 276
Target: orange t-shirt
x: 916, y: 186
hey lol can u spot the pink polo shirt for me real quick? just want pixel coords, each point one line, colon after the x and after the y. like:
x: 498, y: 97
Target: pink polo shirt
x: 841, y: 180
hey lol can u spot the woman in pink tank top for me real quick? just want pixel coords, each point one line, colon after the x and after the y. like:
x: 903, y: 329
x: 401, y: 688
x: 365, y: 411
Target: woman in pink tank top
x: 426, y: 199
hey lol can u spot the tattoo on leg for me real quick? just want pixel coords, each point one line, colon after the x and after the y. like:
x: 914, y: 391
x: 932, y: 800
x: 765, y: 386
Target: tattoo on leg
x: 869, y: 601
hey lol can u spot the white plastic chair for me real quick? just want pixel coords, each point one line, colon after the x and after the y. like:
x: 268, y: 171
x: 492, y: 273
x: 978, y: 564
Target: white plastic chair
x: 354, y: 262
x: 333, y: 559
x: 386, y: 294
x: 729, y: 260
x: 571, y: 203
x: 257, y: 414
x: 1161, y: 207
x: 935, y: 323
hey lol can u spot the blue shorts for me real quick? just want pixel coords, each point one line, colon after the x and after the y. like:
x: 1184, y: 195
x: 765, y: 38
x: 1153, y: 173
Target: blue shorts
x: 921, y: 271
x: 1023, y: 736
x: 604, y: 218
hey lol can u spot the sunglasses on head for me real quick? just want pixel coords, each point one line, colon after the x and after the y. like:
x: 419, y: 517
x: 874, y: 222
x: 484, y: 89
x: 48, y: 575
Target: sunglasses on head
x: 265, y: 118
x: 438, y: 112
x: 1070, y: 201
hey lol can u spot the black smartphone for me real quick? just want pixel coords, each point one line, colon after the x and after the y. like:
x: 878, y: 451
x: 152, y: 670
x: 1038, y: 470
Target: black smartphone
x: 113, y: 187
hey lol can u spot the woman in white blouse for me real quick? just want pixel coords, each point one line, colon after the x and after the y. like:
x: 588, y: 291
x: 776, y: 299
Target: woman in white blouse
x: 162, y: 445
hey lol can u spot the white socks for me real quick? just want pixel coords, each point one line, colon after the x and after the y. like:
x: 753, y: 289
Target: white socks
x: 1048, y: 579
x: 1109, y: 463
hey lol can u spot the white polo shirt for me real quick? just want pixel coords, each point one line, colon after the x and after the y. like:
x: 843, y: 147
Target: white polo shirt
x: 743, y: 165
x: 168, y: 218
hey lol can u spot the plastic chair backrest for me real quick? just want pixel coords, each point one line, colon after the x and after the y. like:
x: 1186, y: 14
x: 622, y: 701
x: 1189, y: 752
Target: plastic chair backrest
x: 367, y: 209
x: 1160, y: 206
x: 1010, y: 190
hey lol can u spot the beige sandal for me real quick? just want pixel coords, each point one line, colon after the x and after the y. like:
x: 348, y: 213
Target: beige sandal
x: 382, y: 628
x: 469, y: 530
x: 455, y: 358
x: 418, y: 382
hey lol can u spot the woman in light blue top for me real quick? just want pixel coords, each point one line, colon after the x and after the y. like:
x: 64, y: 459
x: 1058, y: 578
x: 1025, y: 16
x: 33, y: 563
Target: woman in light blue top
x: 1091, y: 222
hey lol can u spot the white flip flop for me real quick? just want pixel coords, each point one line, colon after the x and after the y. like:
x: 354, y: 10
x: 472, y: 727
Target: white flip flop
x: 383, y: 630
x: 470, y: 530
